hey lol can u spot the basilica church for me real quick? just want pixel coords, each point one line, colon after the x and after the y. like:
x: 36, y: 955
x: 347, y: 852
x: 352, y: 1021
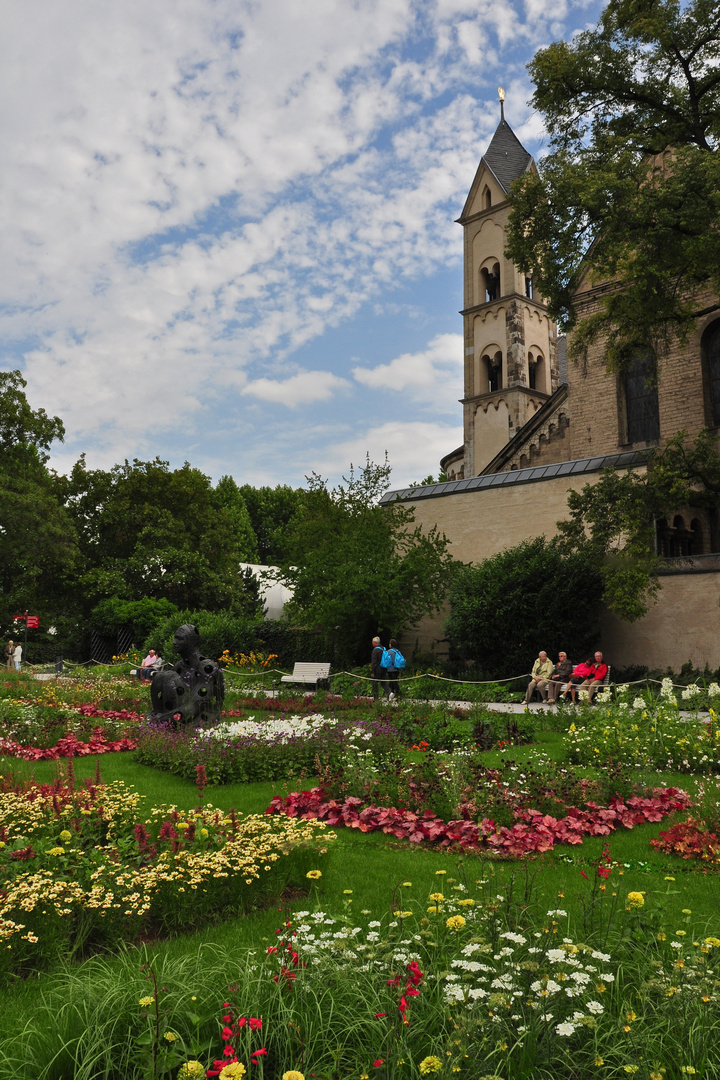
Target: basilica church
x: 536, y: 426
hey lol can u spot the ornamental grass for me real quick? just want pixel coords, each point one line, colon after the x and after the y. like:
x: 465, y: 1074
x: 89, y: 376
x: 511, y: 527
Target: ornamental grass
x: 459, y: 981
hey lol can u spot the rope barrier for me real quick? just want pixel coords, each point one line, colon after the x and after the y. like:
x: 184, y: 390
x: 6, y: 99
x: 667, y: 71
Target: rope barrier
x: 369, y: 678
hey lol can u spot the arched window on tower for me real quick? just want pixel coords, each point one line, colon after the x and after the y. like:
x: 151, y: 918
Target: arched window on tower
x: 536, y: 370
x: 529, y: 288
x: 487, y: 198
x: 493, y: 365
x: 642, y: 412
x: 711, y: 373
x: 490, y: 282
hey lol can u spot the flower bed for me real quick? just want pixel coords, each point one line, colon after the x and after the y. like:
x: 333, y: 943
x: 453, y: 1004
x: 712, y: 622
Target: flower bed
x: 644, y: 736
x: 274, y: 749
x: 83, y: 868
x: 42, y: 725
x: 69, y: 746
x: 533, y: 831
x: 460, y: 983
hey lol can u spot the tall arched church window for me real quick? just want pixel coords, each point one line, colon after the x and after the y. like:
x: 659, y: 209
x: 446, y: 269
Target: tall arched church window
x: 487, y: 199
x: 711, y: 364
x: 642, y: 413
x: 529, y: 288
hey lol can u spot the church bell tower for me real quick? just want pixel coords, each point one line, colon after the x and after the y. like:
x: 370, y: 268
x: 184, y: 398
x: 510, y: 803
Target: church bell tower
x: 510, y: 365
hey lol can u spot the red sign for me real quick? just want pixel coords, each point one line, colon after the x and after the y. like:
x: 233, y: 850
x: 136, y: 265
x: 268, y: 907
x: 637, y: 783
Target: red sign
x: 32, y: 622
x: 19, y: 618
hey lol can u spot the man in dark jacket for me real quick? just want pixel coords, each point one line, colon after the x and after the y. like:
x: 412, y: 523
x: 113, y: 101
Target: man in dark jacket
x: 561, y: 674
x: 375, y: 669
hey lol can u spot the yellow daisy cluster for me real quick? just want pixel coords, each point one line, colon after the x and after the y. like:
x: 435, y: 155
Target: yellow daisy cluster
x: 45, y: 895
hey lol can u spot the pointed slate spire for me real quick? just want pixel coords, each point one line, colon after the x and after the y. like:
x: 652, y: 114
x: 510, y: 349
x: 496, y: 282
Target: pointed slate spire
x: 506, y: 157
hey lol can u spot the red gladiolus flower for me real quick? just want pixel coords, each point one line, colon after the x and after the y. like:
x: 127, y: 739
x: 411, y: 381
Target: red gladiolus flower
x: 379, y: 1016
x: 257, y: 1053
x: 583, y: 874
x: 255, y: 1024
x: 227, y: 1033
x: 379, y: 1062
x: 242, y: 1022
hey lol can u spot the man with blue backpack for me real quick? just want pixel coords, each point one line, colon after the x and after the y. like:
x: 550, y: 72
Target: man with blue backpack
x: 392, y: 662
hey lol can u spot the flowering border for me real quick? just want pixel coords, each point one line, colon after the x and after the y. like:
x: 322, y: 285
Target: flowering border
x: 533, y: 832
x: 68, y: 746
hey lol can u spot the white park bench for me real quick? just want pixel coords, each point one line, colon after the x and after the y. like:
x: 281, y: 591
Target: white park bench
x: 308, y: 673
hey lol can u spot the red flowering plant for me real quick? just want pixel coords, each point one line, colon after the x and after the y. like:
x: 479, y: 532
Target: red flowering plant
x: 239, y: 1033
x: 533, y: 831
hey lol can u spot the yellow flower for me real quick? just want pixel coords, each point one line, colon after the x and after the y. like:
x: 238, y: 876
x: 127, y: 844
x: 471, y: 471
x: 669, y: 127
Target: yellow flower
x: 630, y: 1016
x: 293, y: 1075
x: 432, y: 911
x: 455, y: 922
x: 314, y: 874
x: 170, y: 1036
x: 439, y: 873
x: 146, y: 1001
x: 715, y: 942
x: 437, y: 897
x: 681, y: 933
x: 635, y: 900
x: 599, y: 1061
x: 347, y: 892
x: 662, y: 937
x: 402, y: 914
x: 191, y: 1070
x: 687, y: 1069
x: 65, y: 836
x: 631, y: 1069
x: 430, y: 1065
x: 56, y: 851
x: 407, y: 884
x: 686, y: 911
x: 235, y: 1069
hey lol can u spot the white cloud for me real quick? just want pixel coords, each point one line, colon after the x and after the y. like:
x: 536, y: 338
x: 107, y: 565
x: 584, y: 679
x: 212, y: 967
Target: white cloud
x: 414, y: 449
x: 433, y: 377
x: 193, y: 192
x: 299, y: 389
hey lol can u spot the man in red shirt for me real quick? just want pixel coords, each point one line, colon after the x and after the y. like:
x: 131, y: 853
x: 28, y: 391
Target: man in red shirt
x: 599, y: 671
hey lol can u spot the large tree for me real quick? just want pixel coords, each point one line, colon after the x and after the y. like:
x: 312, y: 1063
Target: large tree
x: 630, y: 189
x: 613, y: 520
x: 357, y: 567
x: 39, y: 554
x: 147, y: 530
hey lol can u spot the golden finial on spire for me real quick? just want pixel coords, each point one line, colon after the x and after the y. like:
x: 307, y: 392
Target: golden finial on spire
x: 501, y: 95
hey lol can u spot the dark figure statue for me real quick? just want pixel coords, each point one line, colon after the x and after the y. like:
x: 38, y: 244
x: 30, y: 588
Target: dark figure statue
x: 195, y: 688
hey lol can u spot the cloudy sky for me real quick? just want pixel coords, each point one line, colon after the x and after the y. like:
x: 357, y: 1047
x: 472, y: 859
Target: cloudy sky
x: 228, y: 225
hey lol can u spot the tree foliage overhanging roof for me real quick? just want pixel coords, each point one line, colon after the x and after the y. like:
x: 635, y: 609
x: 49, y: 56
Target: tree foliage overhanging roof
x: 630, y: 189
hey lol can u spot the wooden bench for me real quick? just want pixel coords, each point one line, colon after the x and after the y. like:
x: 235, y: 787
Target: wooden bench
x: 308, y: 673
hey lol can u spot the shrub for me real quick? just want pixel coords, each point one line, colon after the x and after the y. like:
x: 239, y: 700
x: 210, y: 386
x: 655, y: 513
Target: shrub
x: 530, y: 597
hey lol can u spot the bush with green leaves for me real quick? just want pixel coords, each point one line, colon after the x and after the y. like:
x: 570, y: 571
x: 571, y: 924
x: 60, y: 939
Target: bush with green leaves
x: 507, y: 608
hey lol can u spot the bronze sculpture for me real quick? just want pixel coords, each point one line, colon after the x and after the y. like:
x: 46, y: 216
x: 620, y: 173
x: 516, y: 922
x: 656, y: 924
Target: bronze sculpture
x: 193, y: 690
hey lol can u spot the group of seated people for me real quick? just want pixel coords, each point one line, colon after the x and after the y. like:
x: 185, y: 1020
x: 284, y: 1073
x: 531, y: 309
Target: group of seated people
x: 550, y: 680
x: 152, y: 663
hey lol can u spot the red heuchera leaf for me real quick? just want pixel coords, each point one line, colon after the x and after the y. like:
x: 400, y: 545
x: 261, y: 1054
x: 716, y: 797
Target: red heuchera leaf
x: 532, y: 831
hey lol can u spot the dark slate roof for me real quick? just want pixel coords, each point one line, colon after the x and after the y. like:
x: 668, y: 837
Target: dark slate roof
x: 506, y: 156
x: 626, y: 460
